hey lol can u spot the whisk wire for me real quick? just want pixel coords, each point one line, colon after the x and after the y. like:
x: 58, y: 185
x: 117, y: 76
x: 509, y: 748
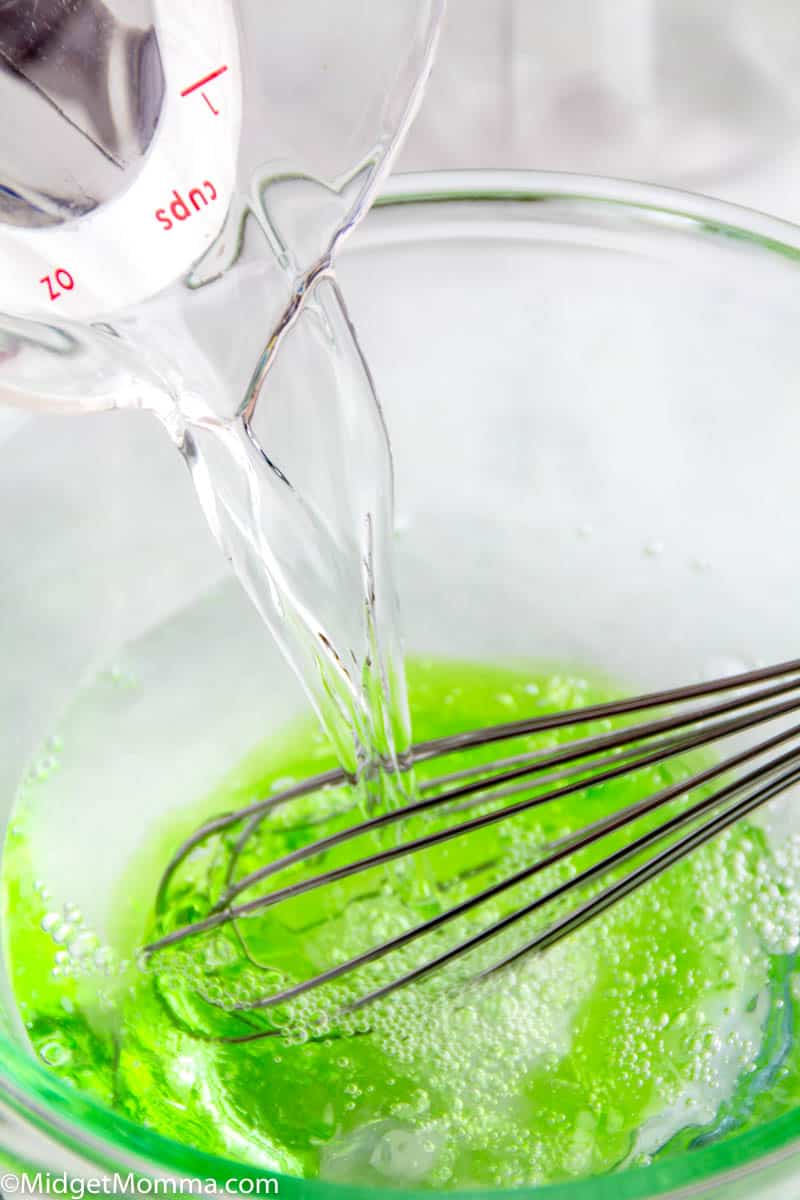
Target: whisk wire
x: 451, y: 743
x: 557, y: 851
x: 541, y: 777
x: 225, y: 912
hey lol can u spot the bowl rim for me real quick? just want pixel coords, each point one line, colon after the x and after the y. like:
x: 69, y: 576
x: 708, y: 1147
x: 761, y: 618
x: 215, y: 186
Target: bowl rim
x: 106, y: 1141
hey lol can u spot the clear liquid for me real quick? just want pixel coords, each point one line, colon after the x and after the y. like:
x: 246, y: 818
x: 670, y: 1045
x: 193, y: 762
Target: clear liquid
x: 298, y: 493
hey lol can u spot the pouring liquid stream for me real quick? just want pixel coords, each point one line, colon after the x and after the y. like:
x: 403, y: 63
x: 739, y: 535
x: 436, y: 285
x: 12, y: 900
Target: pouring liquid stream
x: 319, y: 570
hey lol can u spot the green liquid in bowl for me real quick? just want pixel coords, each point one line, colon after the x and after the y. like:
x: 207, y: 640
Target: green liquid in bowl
x: 666, y: 1022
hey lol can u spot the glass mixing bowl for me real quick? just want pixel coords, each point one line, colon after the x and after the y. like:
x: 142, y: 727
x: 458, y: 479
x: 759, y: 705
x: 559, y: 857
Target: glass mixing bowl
x: 591, y: 389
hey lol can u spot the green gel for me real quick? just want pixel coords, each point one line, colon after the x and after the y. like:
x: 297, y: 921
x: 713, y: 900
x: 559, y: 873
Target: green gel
x: 661, y: 1023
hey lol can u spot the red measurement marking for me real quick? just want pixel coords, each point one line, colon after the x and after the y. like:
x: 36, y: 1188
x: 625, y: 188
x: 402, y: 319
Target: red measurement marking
x: 63, y: 279
x: 210, y: 105
x: 206, y: 79
x: 180, y: 210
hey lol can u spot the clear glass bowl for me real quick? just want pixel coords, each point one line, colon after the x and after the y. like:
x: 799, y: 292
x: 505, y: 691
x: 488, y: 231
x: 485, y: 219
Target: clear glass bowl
x: 591, y: 388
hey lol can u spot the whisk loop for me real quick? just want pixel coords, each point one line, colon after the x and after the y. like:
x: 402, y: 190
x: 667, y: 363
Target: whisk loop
x: 697, y: 716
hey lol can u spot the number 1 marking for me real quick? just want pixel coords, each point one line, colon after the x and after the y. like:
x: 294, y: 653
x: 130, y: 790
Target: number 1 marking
x: 206, y: 79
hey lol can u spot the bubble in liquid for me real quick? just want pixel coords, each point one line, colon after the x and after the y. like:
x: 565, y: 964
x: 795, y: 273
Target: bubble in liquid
x: 82, y: 945
x: 218, y: 952
x: 280, y: 784
x: 402, y: 1155
x: 55, y: 1052
x: 104, y: 958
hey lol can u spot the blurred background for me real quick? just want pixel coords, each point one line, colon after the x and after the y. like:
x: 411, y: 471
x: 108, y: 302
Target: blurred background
x: 698, y: 94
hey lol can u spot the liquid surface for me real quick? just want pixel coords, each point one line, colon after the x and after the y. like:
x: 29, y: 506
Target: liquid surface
x: 666, y: 1022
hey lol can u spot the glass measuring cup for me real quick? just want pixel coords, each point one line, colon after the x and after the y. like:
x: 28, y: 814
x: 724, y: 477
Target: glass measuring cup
x: 170, y: 246
x: 127, y: 206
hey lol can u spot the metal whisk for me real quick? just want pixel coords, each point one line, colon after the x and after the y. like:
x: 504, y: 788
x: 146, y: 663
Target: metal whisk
x: 696, y: 716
